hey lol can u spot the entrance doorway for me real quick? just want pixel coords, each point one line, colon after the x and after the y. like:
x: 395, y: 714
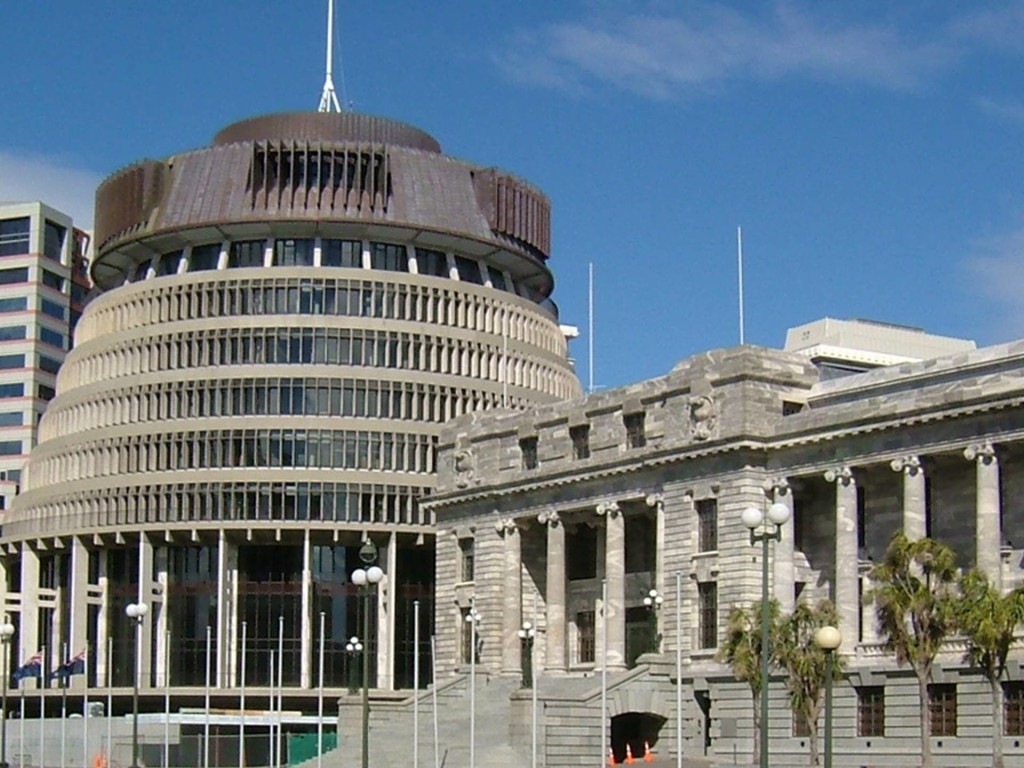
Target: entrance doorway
x: 637, y: 730
x: 703, y: 699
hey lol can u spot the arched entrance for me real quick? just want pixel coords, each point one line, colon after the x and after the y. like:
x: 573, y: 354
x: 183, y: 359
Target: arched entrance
x: 636, y: 729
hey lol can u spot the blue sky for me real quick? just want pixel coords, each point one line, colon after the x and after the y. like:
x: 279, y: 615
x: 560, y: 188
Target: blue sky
x: 871, y: 151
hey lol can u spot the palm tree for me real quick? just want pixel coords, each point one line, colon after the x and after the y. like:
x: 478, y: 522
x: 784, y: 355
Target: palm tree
x: 987, y: 620
x: 915, y: 600
x: 805, y: 663
x: 742, y: 652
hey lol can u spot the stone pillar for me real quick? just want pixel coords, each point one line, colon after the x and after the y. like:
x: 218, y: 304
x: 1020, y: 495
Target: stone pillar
x: 615, y: 575
x: 161, y: 557
x: 657, y: 500
x: 221, y: 631
x: 307, y: 629
x: 79, y: 605
x: 988, y: 536
x: 554, y: 599
x: 144, y: 653
x: 233, y: 630
x: 30, y: 641
x: 103, y: 665
x: 386, y: 601
x: 915, y: 525
x: 512, y: 597
x: 783, y: 569
x: 845, y: 575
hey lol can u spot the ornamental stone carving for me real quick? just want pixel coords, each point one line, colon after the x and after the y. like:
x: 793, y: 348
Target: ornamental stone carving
x: 464, y: 468
x: 776, y: 485
x: 908, y: 465
x: 608, y: 508
x: 703, y: 419
x: 841, y: 475
x: 655, y: 500
x: 505, y: 526
x: 984, y: 453
x: 551, y: 518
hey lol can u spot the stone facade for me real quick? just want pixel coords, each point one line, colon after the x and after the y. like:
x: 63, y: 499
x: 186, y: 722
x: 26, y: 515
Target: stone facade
x: 576, y: 511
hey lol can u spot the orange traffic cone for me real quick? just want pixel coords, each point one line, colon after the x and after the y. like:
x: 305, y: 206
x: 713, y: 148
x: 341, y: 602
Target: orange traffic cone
x: 629, y: 755
x: 611, y: 756
x: 648, y: 755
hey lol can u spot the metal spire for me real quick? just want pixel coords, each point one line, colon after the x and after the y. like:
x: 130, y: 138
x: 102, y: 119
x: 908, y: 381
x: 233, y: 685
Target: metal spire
x: 329, y: 99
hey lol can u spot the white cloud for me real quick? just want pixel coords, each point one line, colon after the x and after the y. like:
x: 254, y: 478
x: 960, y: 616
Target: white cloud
x: 996, y: 267
x: 59, y: 185
x: 1006, y: 109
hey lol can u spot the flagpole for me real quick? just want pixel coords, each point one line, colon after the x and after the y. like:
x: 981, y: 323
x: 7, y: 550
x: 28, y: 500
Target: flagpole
x: 433, y: 697
x: 416, y: 683
x: 206, y: 722
x: 21, y: 729
x: 63, y: 680
x: 85, y: 709
x: 241, y: 704
x: 167, y: 698
x: 110, y: 698
x: 42, y: 708
x: 280, y: 684
x: 320, y: 702
x: 270, y: 713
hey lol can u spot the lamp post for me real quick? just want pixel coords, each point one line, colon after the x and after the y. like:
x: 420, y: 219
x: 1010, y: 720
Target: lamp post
x: 771, y: 530
x: 6, y: 633
x: 353, y: 647
x: 828, y: 639
x: 473, y: 619
x: 137, y: 613
x: 652, y: 601
x: 527, y: 636
x: 367, y: 580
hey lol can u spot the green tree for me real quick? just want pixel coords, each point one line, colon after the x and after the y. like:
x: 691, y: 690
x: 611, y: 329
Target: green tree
x: 805, y: 663
x: 915, y: 599
x: 987, y: 620
x: 742, y: 652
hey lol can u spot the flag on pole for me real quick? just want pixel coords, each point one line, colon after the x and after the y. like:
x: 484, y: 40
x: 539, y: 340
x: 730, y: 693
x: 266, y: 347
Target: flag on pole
x: 31, y: 668
x: 73, y: 666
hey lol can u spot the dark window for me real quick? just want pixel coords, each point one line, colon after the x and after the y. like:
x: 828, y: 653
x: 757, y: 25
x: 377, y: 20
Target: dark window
x: 204, y: 257
x: 580, y: 436
x: 790, y: 408
x: 707, y: 607
x: 942, y: 707
x: 498, y: 279
x: 52, y: 308
x: 586, y: 637
x: 10, y: 276
x: 707, y: 525
x: 53, y: 241
x: 14, y: 236
x: 636, y: 435
x: 16, y: 304
x: 12, y: 419
x: 10, y: 447
x: 861, y: 522
x: 341, y: 253
x: 247, y: 253
x: 12, y: 361
x: 51, y: 280
x: 168, y: 264
x: 79, y: 292
x: 51, y: 337
x: 46, y: 393
x: 293, y: 253
x: 641, y: 543
x: 581, y: 553
x: 871, y: 711
x: 48, y: 364
x: 469, y: 270
x: 389, y: 257
x: 433, y: 263
x: 12, y: 332
x: 14, y: 389
x: 1013, y: 708
x: 528, y: 449
x: 467, y: 559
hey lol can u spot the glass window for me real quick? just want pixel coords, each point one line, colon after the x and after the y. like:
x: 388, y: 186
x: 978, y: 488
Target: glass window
x: 293, y: 253
x: 431, y: 262
x: 469, y: 270
x: 467, y: 558
x: 53, y: 241
x: 341, y: 253
x: 707, y: 525
x: 79, y: 292
x: 51, y: 280
x: 871, y: 711
x: 51, y: 337
x: 636, y: 435
x: 204, y: 257
x: 942, y: 707
x: 1013, y: 708
x: 389, y: 257
x: 498, y: 279
x: 586, y: 637
x: 12, y: 361
x: 13, y: 389
x: 46, y: 393
x: 52, y: 308
x: 9, y: 276
x: 247, y: 253
x: 14, y: 236
x: 168, y: 264
x: 10, y: 447
x: 581, y: 553
x: 580, y: 436
x: 15, y: 304
x: 707, y: 600
x: 15, y: 418
x: 48, y: 364
x: 12, y: 332
x: 528, y: 449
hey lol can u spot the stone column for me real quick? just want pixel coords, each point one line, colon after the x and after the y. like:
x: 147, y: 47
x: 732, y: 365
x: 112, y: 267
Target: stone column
x: 144, y: 654
x: 79, y: 605
x: 234, y: 628
x: 988, y: 536
x: 845, y: 576
x: 512, y: 597
x: 915, y: 525
x: 657, y: 500
x: 103, y: 662
x: 615, y: 575
x: 554, y: 599
x: 29, y: 639
x: 783, y: 569
x: 307, y: 630
x: 161, y: 557
x: 387, y: 596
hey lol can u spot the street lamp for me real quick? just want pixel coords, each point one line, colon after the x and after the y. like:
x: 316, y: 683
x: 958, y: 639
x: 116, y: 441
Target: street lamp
x: 828, y: 639
x: 527, y: 633
x: 473, y: 619
x: 652, y: 601
x: 353, y: 647
x: 137, y: 613
x: 6, y: 633
x: 367, y: 580
x: 754, y: 518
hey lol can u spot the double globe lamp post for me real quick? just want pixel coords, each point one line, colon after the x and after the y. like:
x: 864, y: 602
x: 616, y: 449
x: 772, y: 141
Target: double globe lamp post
x: 828, y: 639
x: 770, y: 530
x: 366, y: 579
x: 137, y: 613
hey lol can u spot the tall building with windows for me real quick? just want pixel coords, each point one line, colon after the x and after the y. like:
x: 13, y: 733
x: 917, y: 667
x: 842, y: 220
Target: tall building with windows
x: 284, y: 321
x: 43, y: 288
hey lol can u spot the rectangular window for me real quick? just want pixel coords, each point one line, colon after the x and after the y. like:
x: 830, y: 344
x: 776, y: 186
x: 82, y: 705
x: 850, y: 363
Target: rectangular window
x: 707, y: 525
x: 498, y: 279
x: 246, y: 253
x: 11, y: 276
x: 48, y: 336
x: 581, y: 553
x: 168, y: 264
x: 528, y: 450
x: 469, y: 270
x: 341, y: 253
x: 433, y: 263
x: 293, y: 253
x: 14, y: 389
x: 14, y: 419
x: 46, y: 393
x: 636, y: 435
x: 389, y: 257
x: 10, y: 447
x: 942, y: 707
x: 580, y: 437
x: 871, y: 711
x: 12, y: 361
x: 707, y: 619
x: 202, y: 258
x: 15, y: 304
x: 79, y: 293
x: 14, y: 236
x: 50, y: 280
x: 467, y: 559
x: 586, y: 637
x: 53, y: 241
x: 12, y: 332
x: 52, y: 308
x: 1013, y: 708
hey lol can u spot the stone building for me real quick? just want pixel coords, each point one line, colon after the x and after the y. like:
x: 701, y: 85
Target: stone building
x: 642, y: 488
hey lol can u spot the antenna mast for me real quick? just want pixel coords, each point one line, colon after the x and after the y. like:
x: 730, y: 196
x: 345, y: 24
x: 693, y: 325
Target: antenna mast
x: 329, y: 99
x: 590, y: 321
x: 739, y: 264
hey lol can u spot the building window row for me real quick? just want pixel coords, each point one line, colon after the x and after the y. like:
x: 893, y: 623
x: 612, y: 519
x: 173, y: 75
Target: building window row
x: 579, y: 439
x: 201, y: 502
x: 325, y: 297
x: 14, y: 236
x: 241, y: 449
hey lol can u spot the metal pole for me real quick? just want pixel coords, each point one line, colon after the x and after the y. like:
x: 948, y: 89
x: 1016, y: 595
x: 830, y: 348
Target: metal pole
x: 167, y: 698
x: 416, y: 684
x: 206, y: 698
x: 472, y: 683
x: 433, y: 698
x: 21, y: 727
x: 828, y: 707
x: 679, y: 670
x: 280, y: 688
x: 365, y: 600
x: 241, y: 703
x: 135, y: 693
x: 604, y: 671
x: 320, y: 700
x: 63, y: 669
x: 764, y: 650
x: 110, y: 698
x: 270, y: 713
x: 3, y: 737
x: 533, y: 695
